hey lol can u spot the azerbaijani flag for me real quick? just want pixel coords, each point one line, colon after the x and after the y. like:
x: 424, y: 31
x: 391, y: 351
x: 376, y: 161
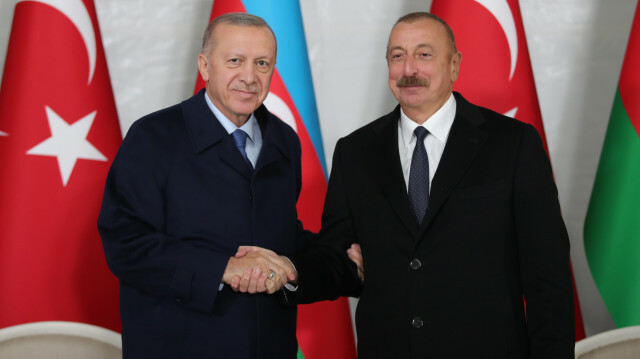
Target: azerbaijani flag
x: 612, y: 226
x: 324, y: 328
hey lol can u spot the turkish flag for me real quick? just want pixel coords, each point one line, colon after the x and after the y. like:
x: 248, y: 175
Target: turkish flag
x: 496, y: 71
x: 59, y: 132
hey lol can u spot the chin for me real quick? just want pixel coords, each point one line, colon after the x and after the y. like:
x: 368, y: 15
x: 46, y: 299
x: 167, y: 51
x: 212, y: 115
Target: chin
x: 246, y: 108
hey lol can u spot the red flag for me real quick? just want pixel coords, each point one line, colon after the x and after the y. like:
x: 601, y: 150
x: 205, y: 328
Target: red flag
x: 324, y: 328
x: 59, y: 132
x: 502, y: 80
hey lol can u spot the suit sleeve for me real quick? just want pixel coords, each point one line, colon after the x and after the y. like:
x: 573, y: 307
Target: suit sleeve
x: 132, y: 226
x: 325, y: 271
x: 543, y: 246
x: 304, y: 238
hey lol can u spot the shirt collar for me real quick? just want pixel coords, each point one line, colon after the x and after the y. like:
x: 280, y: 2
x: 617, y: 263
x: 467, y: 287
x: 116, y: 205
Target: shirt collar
x: 249, y: 127
x: 439, y: 124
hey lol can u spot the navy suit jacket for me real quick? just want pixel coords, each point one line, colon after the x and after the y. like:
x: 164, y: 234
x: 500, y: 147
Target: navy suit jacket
x: 452, y: 286
x: 179, y: 200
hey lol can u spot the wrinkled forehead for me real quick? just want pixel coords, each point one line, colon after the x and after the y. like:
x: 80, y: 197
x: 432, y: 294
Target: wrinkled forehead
x: 232, y: 35
x: 232, y: 30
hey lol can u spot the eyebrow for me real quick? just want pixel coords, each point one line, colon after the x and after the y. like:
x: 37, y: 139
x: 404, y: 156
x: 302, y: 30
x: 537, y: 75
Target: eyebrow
x: 417, y: 47
x: 395, y: 48
x: 244, y: 55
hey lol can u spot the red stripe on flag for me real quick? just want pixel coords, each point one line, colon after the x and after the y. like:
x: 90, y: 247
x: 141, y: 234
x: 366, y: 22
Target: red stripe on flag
x: 314, y: 185
x: 324, y: 328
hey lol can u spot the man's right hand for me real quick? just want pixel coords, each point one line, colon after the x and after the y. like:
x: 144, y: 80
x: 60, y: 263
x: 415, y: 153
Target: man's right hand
x: 245, y: 269
x: 255, y: 269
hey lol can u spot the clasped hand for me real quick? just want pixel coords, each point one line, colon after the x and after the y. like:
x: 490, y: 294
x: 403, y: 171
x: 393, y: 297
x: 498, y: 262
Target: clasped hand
x: 256, y: 269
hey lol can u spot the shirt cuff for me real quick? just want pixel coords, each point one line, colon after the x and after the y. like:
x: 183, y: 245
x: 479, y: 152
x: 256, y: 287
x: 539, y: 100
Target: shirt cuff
x: 290, y: 286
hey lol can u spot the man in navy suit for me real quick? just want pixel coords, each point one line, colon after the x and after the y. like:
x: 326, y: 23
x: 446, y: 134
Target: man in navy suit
x: 186, y: 189
x: 456, y: 212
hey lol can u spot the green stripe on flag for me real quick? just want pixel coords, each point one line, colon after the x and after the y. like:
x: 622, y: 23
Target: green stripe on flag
x: 300, y: 355
x: 612, y: 226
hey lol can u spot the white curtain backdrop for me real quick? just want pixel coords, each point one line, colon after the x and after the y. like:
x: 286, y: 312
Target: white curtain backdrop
x: 576, y: 48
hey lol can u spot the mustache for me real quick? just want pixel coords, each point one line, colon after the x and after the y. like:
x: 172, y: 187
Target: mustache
x: 245, y: 88
x: 412, y: 81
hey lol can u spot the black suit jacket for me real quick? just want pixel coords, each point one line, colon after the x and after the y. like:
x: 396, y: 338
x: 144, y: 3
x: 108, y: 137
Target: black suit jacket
x: 178, y: 201
x: 453, y: 286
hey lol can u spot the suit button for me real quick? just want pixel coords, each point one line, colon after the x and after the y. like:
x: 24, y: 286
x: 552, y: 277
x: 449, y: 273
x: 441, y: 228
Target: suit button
x: 417, y: 322
x: 178, y: 300
x: 415, y: 264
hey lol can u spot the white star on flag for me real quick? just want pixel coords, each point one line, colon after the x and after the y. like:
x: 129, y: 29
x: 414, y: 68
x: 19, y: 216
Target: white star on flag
x: 68, y: 143
x: 3, y: 133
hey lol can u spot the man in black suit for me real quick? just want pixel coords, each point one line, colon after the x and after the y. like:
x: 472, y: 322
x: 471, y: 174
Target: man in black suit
x: 457, y: 216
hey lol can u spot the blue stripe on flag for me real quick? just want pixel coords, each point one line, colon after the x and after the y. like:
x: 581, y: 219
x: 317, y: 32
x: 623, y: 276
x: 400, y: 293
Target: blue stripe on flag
x: 292, y: 62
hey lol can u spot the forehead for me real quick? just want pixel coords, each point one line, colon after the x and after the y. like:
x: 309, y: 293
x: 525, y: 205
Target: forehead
x: 421, y: 32
x: 246, y: 39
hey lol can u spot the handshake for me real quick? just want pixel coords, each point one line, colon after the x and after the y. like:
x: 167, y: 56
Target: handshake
x: 257, y: 270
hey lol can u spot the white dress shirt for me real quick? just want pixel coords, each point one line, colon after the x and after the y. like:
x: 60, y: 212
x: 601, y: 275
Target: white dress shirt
x: 438, y: 125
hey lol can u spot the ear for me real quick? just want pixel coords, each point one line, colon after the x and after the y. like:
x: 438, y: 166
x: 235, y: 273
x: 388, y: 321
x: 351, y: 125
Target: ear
x: 202, y: 67
x: 456, y: 59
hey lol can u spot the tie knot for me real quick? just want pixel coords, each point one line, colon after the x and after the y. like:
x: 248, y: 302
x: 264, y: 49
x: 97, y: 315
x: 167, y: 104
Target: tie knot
x: 421, y: 133
x: 240, y: 138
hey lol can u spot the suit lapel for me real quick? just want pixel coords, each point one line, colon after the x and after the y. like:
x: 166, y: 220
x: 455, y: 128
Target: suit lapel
x: 206, y: 131
x: 463, y: 144
x: 229, y: 154
x: 272, y: 139
x: 384, y: 165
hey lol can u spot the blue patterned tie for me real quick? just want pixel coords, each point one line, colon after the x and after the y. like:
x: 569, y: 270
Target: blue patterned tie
x: 419, y: 175
x: 240, y: 139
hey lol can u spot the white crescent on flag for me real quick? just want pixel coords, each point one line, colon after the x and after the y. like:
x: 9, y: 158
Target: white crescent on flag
x: 79, y: 16
x: 502, y: 12
x: 278, y: 107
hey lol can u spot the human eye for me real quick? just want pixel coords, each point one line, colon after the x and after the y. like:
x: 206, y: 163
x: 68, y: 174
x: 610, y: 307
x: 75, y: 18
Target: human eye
x: 234, y: 62
x: 424, y: 55
x: 263, y: 65
x: 396, y: 56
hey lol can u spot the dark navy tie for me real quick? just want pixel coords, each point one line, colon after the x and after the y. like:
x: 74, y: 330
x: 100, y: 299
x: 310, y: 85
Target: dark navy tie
x: 240, y: 139
x: 419, y: 175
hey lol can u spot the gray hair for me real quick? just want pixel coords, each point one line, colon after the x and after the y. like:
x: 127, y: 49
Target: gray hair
x: 421, y: 15
x: 232, y: 18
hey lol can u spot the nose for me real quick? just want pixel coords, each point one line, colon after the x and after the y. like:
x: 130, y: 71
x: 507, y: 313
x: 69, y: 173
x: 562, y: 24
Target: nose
x: 410, y: 68
x: 247, y: 73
